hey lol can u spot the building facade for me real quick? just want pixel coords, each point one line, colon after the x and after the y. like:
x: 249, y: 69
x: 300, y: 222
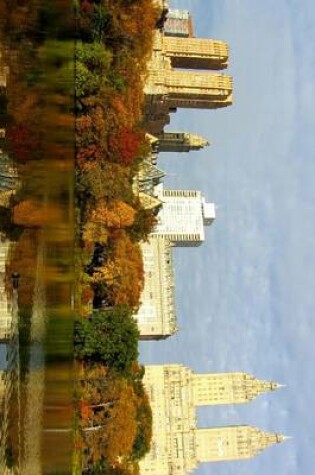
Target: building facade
x: 167, y: 88
x: 178, y: 446
x: 183, y: 216
x: 156, y: 317
x: 196, y: 53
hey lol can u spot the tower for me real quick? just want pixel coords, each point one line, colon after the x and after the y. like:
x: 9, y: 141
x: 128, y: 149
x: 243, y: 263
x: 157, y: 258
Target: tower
x: 180, y: 142
x: 196, y: 53
x: 228, y: 388
x: 178, y: 446
x: 183, y: 216
x: 232, y: 443
x: 167, y: 88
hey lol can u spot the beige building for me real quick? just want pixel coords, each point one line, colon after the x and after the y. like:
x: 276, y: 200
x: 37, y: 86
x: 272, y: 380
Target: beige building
x: 156, y: 316
x: 178, y: 446
x: 168, y: 88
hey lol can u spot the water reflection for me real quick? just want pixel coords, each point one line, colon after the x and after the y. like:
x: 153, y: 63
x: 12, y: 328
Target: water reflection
x: 38, y: 219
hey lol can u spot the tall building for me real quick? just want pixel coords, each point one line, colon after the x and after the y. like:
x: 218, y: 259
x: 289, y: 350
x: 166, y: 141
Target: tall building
x: 156, y: 317
x: 180, y: 142
x: 167, y: 88
x: 183, y: 216
x: 178, y: 446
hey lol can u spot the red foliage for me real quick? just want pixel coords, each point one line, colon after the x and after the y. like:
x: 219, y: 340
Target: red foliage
x: 124, y: 145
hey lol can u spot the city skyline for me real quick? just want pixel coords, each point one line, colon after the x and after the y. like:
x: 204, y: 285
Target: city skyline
x: 245, y: 299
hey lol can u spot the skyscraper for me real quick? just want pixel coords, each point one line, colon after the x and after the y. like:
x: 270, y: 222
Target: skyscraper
x: 183, y: 216
x: 178, y: 446
x: 167, y: 88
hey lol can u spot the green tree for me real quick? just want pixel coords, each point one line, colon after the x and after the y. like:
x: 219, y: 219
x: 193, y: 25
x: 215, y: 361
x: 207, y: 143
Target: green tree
x: 109, y: 336
x: 94, y: 56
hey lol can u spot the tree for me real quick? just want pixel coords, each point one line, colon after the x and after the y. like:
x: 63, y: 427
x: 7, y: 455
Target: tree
x: 108, y: 419
x: 94, y: 56
x: 116, y: 215
x: 122, y: 276
x: 143, y: 437
x: 110, y: 337
x: 143, y: 225
x: 107, y: 180
x: 124, y: 145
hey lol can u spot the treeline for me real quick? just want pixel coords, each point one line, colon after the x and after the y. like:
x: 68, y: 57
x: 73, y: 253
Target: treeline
x: 113, y: 47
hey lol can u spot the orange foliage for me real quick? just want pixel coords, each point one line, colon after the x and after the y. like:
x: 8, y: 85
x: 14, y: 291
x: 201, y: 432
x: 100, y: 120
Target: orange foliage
x: 117, y: 215
x: 123, y: 272
x: 110, y: 406
x: 32, y: 214
x: 95, y: 232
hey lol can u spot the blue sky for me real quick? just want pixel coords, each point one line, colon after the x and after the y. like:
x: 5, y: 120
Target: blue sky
x: 245, y: 298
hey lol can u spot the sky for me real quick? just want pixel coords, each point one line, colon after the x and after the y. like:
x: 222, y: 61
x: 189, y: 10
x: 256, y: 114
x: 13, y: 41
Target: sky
x: 245, y: 298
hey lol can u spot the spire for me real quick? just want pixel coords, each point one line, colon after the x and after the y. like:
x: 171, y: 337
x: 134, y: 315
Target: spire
x: 196, y: 141
x: 255, y: 387
x: 229, y: 388
x: 233, y: 442
x: 261, y: 440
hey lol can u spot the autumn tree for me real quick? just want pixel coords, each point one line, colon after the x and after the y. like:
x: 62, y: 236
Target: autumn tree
x: 124, y: 145
x: 116, y: 215
x: 108, y: 181
x: 121, y: 278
